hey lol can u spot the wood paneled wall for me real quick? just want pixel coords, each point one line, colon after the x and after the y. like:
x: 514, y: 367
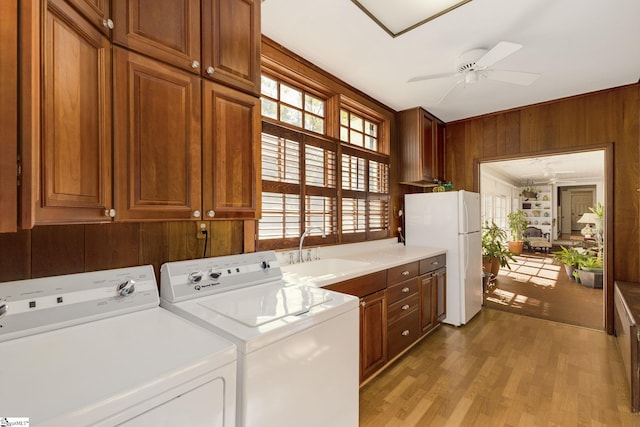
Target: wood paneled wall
x: 65, y: 249
x: 609, y: 118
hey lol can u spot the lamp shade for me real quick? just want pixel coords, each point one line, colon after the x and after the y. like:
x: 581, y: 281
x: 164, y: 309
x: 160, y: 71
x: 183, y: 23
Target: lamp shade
x: 588, y: 218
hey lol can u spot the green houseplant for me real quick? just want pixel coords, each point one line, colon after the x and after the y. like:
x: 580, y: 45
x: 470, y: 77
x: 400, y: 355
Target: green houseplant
x: 590, y: 271
x: 517, y: 225
x: 571, y: 259
x: 495, y: 253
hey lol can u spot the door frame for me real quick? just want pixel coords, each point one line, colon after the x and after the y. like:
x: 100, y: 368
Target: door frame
x: 609, y: 267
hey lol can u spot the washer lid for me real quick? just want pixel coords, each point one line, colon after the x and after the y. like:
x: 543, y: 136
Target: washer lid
x: 261, y: 305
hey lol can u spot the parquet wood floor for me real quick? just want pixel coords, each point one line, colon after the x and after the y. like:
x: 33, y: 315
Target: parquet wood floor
x: 503, y: 369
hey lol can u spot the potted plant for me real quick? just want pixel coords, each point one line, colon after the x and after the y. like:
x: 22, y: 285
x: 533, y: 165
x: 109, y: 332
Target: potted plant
x: 529, y: 191
x: 590, y: 271
x: 570, y: 258
x: 495, y: 253
x: 517, y: 225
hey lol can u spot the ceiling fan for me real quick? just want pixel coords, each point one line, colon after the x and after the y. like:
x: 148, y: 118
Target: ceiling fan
x: 474, y: 64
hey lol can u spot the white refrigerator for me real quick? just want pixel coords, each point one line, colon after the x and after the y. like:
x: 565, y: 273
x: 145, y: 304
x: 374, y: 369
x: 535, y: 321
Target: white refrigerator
x: 451, y: 220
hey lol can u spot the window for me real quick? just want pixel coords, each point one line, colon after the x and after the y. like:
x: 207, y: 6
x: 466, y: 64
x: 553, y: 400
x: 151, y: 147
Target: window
x: 300, y: 166
x: 494, y: 208
x: 288, y: 104
x: 357, y: 130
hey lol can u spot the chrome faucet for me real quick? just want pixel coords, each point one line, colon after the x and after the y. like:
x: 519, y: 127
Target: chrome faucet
x: 305, y: 234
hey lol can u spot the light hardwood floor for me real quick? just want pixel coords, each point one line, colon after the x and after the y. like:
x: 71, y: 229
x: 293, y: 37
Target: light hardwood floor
x: 503, y: 369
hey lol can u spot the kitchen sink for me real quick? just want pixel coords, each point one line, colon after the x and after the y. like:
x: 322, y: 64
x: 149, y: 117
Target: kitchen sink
x: 323, y: 269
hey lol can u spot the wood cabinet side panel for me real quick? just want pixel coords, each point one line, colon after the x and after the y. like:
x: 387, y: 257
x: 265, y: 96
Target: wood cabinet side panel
x: 9, y: 116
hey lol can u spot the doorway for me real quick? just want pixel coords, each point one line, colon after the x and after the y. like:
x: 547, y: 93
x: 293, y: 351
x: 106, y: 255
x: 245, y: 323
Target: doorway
x: 574, y: 202
x: 576, y: 182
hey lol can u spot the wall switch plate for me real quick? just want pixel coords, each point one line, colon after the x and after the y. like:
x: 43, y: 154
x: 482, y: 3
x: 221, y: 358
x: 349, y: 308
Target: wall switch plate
x: 200, y: 227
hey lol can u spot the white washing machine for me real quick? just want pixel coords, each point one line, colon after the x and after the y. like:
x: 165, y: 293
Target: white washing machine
x: 96, y: 349
x: 298, y: 346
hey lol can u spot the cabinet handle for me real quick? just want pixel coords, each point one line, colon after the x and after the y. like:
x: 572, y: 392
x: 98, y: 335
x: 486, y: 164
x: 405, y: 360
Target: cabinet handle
x: 405, y: 273
x: 405, y: 332
x: 405, y: 290
x: 210, y: 70
x: 195, y: 64
x: 110, y: 213
x: 211, y: 213
x: 434, y: 263
x: 362, y: 303
x: 406, y: 307
x: 108, y: 23
x: 196, y: 214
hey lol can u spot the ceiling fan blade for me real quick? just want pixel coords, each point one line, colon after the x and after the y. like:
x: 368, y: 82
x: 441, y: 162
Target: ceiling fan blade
x: 448, y: 92
x: 430, y: 77
x: 497, y: 53
x: 515, y: 77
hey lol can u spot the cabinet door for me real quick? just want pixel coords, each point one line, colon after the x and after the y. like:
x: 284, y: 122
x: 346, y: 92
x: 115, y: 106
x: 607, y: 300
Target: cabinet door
x: 428, y: 299
x: 231, y: 42
x: 440, y: 276
x: 168, y: 30
x: 156, y: 141
x: 421, y: 147
x: 373, y: 331
x: 76, y: 122
x: 231, y: 153
x: 8, y: 115
x: 96, y: 11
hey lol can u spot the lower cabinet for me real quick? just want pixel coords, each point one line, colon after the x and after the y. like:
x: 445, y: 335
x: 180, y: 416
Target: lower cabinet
x: 403, y: 318
x: 371, y: 289
x: 373, y: 342
x: 397, y: 307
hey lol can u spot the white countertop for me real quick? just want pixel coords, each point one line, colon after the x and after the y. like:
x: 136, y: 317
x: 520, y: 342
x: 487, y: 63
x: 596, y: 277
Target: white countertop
x: 343, y: 262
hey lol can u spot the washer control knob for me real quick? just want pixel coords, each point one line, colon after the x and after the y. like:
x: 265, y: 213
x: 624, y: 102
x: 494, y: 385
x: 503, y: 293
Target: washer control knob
x: 3, y: 307
x: 126, y: 288
x: 214, y: 274
x: 195, y: 277
x: 265, y: 265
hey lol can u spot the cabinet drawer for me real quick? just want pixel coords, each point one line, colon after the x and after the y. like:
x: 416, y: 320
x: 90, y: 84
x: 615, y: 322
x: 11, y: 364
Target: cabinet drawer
x: 403, y: 333
x: 402, y: 290
x: 402, y: 273
x: 432, y: 263
x: 361, y: 286
x: 402, y: 307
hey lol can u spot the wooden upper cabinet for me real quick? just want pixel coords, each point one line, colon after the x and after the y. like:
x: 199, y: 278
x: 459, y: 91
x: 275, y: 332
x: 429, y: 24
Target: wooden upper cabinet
x: 76, y: 120
x: 9, y: 115
x: 96, y: 11
x: 168, y: 30
x: 231, y: 43
x: 421, y: 147
x: 231, y: 153
x: 156, y: 140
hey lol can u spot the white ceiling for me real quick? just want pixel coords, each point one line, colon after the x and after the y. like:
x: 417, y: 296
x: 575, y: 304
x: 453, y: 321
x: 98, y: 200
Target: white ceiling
x: 577, y: 46
x: 563, y: 169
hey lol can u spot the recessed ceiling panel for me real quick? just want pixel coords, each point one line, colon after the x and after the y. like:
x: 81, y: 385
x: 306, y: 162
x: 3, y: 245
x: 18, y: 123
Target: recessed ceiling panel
x: 399, y: 16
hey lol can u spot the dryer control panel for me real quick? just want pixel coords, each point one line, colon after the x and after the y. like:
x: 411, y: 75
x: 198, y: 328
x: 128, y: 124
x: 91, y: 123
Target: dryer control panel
x: 37, y: 305
x: 184, y: 280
